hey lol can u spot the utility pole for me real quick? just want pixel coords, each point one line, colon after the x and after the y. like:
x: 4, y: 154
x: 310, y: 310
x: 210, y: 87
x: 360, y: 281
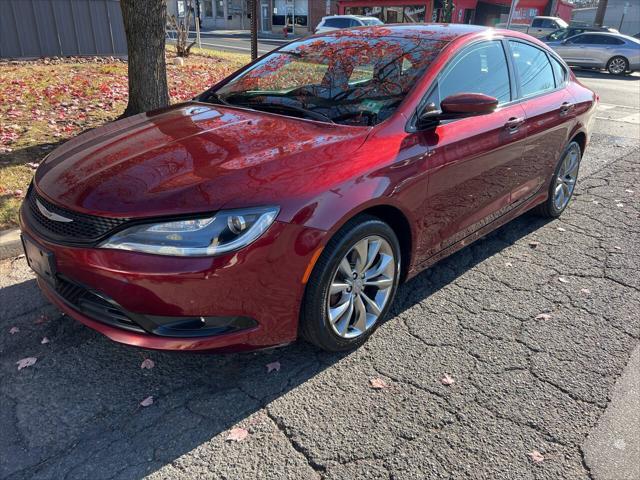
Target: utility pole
x: 602, y: 9
x: 254, y: 29
x: 514, y: 4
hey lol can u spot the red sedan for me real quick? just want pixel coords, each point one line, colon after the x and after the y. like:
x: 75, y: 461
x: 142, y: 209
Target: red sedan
x: 296, y: 195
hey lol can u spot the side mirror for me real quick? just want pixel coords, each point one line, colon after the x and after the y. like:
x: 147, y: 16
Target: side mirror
x: 459, y: 105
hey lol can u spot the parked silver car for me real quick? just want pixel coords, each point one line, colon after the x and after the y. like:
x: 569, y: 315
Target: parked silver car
x: 617, y: 53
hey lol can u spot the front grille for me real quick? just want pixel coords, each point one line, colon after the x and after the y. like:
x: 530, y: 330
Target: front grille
x: 94, y: 306
x: 82, y: 229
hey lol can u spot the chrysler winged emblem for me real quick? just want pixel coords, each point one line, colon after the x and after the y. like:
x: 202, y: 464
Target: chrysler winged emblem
x: 50, y: 215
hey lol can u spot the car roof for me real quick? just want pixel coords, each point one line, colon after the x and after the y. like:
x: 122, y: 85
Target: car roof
x: 609, y: 34
x: 435, y: 31
x: 347, y: 16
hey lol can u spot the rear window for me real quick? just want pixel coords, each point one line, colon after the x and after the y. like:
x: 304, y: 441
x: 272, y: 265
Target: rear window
x: 559, y: 72
x: 338, y: 22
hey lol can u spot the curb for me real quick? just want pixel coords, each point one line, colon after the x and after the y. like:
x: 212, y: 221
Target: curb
x: 10, y: 244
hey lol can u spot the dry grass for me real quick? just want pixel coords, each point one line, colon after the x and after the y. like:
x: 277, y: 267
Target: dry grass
x: 45, y: 102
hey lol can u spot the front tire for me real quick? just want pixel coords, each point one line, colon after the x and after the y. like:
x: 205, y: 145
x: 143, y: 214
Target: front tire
x: 563, y: 182
x: 352, y: 285
x: 618, y: 65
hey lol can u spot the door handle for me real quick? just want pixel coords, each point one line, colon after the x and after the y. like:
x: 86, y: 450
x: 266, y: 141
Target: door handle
x: 514, y: 124
x: 565, y: 108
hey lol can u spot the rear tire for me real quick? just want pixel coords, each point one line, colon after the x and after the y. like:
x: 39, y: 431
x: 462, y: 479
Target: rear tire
x: 618, y: 65
x: 563, y: 182
x: 345, y: 302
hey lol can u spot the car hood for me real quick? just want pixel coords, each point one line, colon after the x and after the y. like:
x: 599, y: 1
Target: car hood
x: 193, y: 158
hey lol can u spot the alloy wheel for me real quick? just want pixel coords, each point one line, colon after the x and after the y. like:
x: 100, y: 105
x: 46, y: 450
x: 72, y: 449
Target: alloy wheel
x: 567, y: 176
x: 617, y: 66
x: 361, y: 287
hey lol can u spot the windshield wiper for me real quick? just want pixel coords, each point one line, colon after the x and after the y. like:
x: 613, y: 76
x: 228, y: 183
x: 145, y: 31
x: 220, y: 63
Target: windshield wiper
x: 213, y: 97
x: 282, y: 107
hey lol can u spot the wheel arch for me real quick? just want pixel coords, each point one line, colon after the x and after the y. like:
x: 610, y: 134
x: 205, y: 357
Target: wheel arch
x: 581, y: 138
x: 396, y: 218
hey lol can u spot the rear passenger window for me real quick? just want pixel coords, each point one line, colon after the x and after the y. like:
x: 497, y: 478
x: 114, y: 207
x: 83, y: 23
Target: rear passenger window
x: 533, y: 69
x: 559, y: 72
x: 480, y: 69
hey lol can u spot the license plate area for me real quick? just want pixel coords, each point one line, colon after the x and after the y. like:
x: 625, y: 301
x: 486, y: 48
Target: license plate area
x: 40, y: 260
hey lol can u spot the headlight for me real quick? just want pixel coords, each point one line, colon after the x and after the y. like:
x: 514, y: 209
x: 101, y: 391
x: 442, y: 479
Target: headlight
x: 227, y: 230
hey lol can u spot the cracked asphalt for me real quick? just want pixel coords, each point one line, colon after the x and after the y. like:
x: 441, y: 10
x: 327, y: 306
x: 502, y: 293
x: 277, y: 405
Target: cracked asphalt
x: 523, y: 383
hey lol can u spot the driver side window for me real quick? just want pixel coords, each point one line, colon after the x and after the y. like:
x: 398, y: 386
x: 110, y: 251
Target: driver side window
x: 482, y: 68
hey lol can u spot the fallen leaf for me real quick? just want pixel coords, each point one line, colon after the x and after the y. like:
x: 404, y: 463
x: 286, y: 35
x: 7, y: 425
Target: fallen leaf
x: 42, y: 319
x: 534, y: 244
x: 14, y: 330
x: 147, y: 401
x: 536, y: 456
x: 237, y: 434
x: 563, y: 280
x: 26, y: 362
x: 447, y: 380
x: 377, y: 383
x: 560, y: 229
x: 147, y: 363
x: 44, y: 340
x: 543, y: 316
x: 273, y: 366
x: 585, y: 291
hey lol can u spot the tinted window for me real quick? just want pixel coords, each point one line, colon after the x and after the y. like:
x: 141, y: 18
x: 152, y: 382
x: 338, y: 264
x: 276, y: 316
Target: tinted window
x: 607, y: 40
x: 559, y: 72
x: 480, y: 69
x: 584, y: 39
x: 533, y: 68
x: 337, y: 22
x: 537, y: 22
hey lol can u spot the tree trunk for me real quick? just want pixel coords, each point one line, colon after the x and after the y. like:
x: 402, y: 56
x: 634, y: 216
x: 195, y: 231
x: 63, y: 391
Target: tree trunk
x: 144, y: 25
x: 602, y: 9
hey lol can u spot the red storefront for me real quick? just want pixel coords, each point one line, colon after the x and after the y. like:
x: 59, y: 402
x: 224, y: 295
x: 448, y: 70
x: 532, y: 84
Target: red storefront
x: 389, y: 11
x: 479, y: 12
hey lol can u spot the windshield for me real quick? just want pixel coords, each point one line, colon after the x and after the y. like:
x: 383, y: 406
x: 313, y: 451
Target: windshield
x: 562, y: 33
x: 354, y: 78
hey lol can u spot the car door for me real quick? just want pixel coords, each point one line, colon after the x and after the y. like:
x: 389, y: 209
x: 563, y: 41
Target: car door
x: 471, y: 160
x: 548, y: 107
x: 607, y: 47
x: 582, y: 50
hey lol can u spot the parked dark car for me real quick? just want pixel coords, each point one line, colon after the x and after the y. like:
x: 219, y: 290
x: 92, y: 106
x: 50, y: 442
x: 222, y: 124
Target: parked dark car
x: 296, y: 195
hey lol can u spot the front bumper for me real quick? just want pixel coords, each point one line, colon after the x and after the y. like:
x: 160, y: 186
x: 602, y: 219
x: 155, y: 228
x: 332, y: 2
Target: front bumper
x: 249, y: 299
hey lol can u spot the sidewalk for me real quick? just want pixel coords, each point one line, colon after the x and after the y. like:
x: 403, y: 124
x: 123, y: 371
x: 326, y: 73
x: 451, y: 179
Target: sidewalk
x: 612, y: 450
x: 247, y: 34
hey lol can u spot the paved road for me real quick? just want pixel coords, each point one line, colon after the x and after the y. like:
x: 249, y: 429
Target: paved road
x: 238, y: 42
x: 522, y: 384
